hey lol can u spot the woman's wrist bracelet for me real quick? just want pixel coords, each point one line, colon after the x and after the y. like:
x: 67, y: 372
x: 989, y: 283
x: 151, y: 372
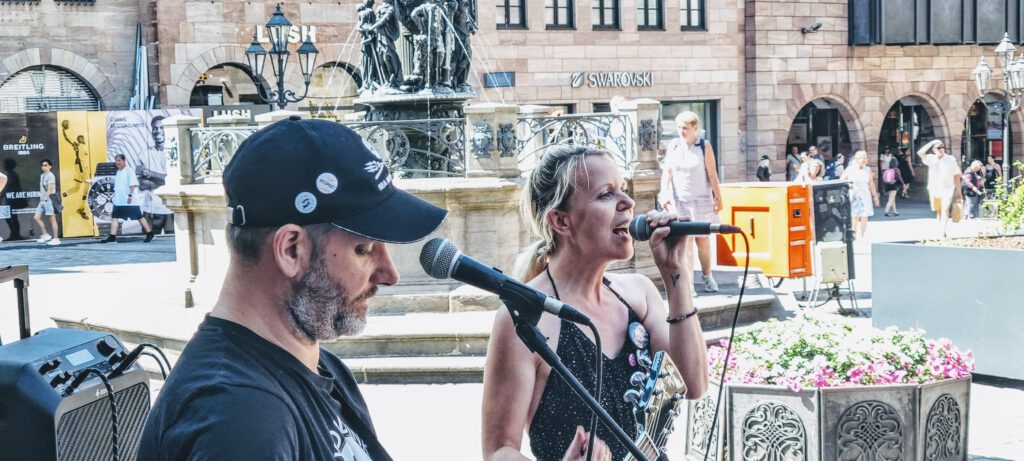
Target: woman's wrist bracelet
x: 680, y: 318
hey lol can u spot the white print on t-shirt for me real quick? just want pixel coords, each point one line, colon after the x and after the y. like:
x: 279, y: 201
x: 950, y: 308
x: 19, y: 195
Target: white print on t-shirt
x: 346, y: 446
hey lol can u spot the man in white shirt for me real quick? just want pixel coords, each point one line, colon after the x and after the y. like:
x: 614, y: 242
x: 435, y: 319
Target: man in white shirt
x: 943, y: 179
x: 126, y: 207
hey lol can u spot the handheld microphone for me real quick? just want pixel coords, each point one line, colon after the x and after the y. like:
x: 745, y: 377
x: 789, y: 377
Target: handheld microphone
x: 640, y: 231
x: 441, y: 259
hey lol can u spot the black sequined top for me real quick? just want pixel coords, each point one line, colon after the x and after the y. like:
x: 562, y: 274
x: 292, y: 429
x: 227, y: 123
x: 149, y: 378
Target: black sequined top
x: 560, y: 410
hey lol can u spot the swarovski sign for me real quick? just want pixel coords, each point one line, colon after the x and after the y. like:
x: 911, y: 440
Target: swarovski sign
x: 609, y: 79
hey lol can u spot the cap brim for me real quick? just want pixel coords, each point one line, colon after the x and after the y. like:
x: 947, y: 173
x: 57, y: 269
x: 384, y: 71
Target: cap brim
x: 401, y: 218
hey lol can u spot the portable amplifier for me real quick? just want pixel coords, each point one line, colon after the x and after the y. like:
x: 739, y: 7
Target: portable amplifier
x: 42, y: 419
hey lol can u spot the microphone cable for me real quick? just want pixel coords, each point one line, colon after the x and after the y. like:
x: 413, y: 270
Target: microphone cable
x: 728, y: 347
x: 79, y: 379
x: 163, y: 371
x: 599, y: 368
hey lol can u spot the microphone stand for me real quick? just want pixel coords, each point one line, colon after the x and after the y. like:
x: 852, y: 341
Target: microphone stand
x: 525, y: 321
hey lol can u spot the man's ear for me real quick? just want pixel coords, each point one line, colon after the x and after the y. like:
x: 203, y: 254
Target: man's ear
x: 559, y: 222
x: 291, y: 249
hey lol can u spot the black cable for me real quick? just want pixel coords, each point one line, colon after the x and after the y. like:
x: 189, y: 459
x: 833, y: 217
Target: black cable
x: 158, y: 351
x: 163, y: 372
x: 79, y: 379
x: 728, y: 348
x: 599, y: 367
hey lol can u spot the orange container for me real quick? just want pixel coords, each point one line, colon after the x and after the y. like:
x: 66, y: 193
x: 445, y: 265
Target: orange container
x: 776, y: 217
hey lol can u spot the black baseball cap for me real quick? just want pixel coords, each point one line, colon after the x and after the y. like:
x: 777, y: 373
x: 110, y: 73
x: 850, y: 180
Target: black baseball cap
x: 303, y: 172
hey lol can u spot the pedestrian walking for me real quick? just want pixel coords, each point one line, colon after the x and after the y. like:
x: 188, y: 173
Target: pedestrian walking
x: 126, y: 206
x: 943, y: 180
x: 863, y: 194
x: 835, y: 168
x: 764, y: 169
x: 793, y: 164
x: 47, y: 204
x: 814, y: 171
x: 973, y: 188
x: 906, y: 166
x: 892, y: 181
x: 689, y: 186
x: 307, y: 252
x: 992, y: 174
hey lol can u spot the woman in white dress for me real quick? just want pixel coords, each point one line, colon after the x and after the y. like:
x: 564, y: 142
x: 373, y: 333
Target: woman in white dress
x: 689, y: 186
x: 863, y: 192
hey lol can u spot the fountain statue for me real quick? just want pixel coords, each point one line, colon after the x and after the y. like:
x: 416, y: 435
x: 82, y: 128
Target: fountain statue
x: 431, y: 82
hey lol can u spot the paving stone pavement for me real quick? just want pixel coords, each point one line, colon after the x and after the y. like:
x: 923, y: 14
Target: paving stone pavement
x: 83, y: 276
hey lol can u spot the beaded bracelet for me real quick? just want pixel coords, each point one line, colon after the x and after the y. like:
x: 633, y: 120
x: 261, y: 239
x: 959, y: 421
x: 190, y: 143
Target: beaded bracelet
x: 680, y: 318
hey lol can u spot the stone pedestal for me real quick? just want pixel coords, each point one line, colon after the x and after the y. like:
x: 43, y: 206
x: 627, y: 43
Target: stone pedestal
x: 270, y: 117
x: 490, y: 130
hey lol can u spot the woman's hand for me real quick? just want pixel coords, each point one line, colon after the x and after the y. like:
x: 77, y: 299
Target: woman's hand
x: 578, y: 448
x: 671, y: 254
x: 718, y: 204
x: 876, y: 200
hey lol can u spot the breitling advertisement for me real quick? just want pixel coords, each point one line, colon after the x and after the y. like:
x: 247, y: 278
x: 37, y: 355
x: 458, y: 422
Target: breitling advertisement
x: 82, y: 144
x: 25, y: 141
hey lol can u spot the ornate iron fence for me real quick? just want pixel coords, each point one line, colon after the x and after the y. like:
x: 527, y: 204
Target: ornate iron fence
x: 611, y: 132
x: 418, y: 148
x: 411, y: 148
x: 212, y: 149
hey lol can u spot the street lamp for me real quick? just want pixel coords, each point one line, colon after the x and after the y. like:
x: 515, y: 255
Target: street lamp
x: 1013, y: 86
x: 279, y: 28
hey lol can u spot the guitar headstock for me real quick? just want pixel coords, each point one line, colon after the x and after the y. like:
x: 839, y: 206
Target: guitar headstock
x: 657, y: 397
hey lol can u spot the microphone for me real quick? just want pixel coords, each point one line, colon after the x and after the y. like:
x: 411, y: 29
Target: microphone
x: 640, y: 231
x: 441, y: 259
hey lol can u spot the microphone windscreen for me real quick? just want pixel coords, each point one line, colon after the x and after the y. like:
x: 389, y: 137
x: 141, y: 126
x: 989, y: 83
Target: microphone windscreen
x: 639, y: 229
x: 437, y: 256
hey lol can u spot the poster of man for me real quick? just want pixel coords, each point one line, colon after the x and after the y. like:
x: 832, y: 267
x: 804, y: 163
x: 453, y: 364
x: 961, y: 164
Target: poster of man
x: 140, y: 136
x: 82, y: 143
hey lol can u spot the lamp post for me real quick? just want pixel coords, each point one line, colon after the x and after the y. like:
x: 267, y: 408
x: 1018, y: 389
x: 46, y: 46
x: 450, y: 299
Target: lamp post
x: 279, y: 28
x: 1013, y: 86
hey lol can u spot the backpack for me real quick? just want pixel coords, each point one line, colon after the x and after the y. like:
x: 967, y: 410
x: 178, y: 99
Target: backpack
x: 889, y: 176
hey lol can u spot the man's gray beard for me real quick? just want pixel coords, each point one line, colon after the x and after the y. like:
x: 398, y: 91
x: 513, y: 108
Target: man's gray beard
x: 319, y: 308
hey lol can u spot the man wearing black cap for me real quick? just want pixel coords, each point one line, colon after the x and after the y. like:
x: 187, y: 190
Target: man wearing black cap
x: 311, y: 211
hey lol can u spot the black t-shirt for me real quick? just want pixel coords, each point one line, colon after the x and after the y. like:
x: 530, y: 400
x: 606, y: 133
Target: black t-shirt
x: 235, y: 396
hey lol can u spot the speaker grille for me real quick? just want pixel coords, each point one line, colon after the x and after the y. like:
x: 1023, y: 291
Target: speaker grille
x: 84, y: 434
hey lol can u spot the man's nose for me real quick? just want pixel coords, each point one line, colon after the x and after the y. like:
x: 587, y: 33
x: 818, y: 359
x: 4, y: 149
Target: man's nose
x: 386, y: 273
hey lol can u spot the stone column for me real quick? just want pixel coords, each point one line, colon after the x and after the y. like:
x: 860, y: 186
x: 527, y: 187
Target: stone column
x: 532, y: 147
x: 491, y: 140
x: 270, y: 117
x: 644, y: 174
x: 181, y: 124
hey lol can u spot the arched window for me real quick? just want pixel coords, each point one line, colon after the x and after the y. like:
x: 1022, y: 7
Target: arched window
x: 46, y: 89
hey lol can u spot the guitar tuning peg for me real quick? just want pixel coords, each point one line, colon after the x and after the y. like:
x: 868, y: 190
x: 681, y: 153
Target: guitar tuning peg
x: 637, y: 379
x: 658, y: 390
x: 645, y: 359
x: 677, y: 397
x: 663, y: 374
x: 632, y: 396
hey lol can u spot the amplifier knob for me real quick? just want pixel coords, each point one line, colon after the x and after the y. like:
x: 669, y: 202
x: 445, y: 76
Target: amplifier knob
x: 104, y: 348
x: 49, y: 366
x: 60, y: 379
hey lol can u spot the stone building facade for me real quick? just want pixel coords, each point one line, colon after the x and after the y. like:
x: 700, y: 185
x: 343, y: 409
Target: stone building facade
x: 749, y: 66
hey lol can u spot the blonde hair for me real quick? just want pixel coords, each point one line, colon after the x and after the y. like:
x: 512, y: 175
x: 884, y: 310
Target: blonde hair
x: 688, y: 117
x: 859, y: 154
x: 548, y: 188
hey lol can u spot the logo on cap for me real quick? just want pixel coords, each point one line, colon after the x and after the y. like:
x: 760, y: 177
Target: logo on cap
x: 305, y: 202
x: 326, y: 183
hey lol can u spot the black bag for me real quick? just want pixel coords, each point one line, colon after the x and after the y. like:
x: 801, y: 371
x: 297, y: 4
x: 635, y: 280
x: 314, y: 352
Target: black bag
x: 55, y: 200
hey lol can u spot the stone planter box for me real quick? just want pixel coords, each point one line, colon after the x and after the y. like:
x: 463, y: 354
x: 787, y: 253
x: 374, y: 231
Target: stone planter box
x: 869, y: 423
x: 970, y: 295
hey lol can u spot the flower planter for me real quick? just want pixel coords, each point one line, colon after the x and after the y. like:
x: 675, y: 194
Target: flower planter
x: 970, y: 295
x: 870, y: 423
